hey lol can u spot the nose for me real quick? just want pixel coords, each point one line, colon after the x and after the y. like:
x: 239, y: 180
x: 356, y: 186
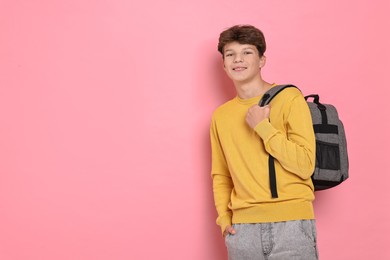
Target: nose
x: 237, y: 59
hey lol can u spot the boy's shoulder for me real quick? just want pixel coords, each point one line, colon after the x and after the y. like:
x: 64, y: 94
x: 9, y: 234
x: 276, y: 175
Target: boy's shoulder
x: 289, y: 94
x: 225, y: 107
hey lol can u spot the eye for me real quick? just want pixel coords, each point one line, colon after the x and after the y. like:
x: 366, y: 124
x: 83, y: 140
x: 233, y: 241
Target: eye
x: 248, y: 52
x: 228, y: 54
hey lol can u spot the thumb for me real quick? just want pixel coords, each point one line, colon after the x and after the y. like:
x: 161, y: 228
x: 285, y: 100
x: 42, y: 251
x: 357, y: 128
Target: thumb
x: 231, y: 230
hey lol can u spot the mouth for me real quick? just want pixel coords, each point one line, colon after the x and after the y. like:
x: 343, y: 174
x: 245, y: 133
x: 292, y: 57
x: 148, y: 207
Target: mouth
x: 239, y: 68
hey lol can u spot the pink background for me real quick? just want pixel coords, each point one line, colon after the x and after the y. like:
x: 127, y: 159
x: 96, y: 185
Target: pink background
x: 104, y: 118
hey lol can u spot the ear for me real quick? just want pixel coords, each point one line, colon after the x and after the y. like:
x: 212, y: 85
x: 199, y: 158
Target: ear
x: 262, y: 62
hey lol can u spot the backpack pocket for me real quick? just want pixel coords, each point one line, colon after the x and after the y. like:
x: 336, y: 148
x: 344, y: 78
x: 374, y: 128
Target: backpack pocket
x: 327, y: 155
x: 327, y: 171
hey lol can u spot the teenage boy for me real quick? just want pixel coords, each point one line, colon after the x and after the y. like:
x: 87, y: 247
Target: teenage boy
x: 243, y: 135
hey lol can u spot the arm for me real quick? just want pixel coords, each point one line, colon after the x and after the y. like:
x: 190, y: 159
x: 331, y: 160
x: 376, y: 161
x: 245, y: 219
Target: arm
x: 296, y: 150
x: 222, y: 182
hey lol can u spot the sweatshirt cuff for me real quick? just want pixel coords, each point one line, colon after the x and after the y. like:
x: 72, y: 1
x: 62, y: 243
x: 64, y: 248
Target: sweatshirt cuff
x: 224, y: 222
x: 265, y: 130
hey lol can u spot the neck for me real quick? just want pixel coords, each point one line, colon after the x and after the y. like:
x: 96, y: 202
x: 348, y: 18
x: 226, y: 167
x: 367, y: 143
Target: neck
x: 252, y: 89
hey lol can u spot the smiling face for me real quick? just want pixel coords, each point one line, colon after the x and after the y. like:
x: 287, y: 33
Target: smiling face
x: 242, y: 62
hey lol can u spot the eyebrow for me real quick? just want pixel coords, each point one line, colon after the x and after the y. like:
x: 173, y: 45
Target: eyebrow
x: 251, y: 48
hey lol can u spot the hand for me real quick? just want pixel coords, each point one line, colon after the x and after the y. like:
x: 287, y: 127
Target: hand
x: 229, y: 230
x: 256, y: 114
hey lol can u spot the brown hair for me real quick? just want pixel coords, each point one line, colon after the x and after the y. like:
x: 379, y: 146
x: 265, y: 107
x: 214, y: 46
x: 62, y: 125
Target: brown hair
x: 243, y: 34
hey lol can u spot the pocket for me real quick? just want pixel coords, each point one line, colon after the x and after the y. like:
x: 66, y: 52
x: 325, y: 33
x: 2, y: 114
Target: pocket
x: 228, y: 234
x: 308, y: 228
x: 327, y: 156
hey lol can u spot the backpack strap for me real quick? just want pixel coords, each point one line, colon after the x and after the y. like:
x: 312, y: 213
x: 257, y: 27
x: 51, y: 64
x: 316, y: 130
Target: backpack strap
x: 272, y: 92
x: 265, y: 100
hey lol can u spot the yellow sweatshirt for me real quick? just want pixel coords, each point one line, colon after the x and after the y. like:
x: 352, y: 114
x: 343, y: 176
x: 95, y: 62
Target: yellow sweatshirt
x: 240, y: 161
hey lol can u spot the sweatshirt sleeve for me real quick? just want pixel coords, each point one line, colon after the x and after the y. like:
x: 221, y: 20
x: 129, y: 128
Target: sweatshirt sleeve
x: 222, y: 181
x: 296, y: 151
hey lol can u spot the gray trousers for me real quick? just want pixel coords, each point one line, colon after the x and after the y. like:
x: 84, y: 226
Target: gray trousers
x: 290, y: 240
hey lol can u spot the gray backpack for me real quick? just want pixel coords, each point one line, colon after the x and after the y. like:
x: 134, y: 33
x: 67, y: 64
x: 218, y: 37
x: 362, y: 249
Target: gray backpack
x: 331, y: 167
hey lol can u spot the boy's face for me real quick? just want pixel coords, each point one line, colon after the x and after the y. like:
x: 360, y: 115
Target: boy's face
x: 242, y: 62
